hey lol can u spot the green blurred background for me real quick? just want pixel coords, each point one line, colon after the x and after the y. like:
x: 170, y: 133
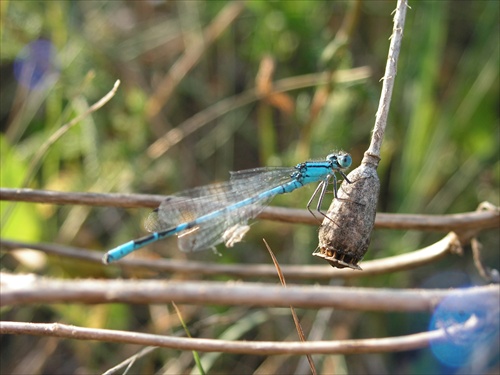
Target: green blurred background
x: 440, y: 153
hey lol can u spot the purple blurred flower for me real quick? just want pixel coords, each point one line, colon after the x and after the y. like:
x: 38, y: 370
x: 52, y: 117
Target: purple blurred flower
x: 35, y: 63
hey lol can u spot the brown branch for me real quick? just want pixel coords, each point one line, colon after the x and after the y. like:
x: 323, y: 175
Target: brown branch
x: 87, y: 199
x: 355, y: 346
x: 32, y: 289
x: 417, y: 258
x: 470, y: 221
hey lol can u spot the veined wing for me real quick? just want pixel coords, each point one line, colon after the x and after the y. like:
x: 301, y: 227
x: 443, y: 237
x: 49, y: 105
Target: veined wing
x: 190, y: 204
x: 250, y: 181
x: 261, y: 179
x: 211, y: 233
x: 177, y: 210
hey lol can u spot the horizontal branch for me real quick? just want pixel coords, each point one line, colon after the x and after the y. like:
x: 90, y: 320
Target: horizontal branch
x: 470, y: 221
x: 32, y: 289
x: 86, y: 199
x: 355, y: 346
x: 449, y: 244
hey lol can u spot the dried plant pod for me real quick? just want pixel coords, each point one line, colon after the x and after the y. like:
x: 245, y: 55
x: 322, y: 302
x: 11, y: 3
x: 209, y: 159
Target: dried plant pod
x: 344, y: 235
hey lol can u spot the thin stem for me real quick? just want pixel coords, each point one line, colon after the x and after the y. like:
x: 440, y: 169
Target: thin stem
x: 40, y: 154
x: 388, y: 84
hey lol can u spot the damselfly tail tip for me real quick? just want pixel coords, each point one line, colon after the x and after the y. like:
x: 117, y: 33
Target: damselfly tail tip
x: 105, y: 259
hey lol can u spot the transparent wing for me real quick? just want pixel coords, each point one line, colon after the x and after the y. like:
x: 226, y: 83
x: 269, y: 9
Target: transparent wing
x: 261, y: 179
x: 215, y: 231
x: 189, y: 204
x: 177, y: 210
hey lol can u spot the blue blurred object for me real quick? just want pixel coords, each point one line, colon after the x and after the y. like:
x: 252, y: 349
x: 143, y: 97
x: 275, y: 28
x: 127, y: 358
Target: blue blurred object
x: 466, y: 347
x: 35, y: 63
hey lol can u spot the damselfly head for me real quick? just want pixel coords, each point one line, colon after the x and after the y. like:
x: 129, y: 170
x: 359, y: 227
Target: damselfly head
x: 343, y: 159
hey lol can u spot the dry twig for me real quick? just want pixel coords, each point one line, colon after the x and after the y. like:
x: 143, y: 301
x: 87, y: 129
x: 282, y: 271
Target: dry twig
x: 469, y: 221
x: 376, y: 345
x: 31, y: 289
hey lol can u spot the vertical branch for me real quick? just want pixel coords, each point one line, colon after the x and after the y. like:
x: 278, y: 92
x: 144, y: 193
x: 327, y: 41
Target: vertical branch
x: 388, y: 83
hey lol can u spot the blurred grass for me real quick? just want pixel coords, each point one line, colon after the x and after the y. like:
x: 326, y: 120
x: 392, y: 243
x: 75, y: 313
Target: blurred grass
x: 440, y: 154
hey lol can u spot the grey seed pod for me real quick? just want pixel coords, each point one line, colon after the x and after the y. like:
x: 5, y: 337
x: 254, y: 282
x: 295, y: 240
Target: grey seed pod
x: 344, y: 235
